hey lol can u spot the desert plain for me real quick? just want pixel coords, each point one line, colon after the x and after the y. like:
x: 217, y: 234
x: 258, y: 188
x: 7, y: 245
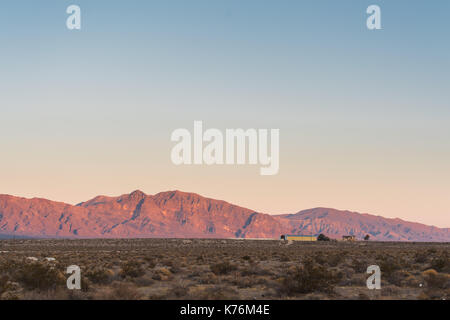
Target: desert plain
x: 193, y: 269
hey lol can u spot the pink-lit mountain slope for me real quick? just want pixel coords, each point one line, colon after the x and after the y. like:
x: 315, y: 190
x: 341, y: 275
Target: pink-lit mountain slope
x: 189, y: 215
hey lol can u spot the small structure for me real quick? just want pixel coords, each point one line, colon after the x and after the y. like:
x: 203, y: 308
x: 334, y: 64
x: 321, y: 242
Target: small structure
x: 297, y: 237
x: 348, y: 238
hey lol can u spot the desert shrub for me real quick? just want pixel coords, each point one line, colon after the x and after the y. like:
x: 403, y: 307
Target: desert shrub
x: 57, y: 294
x: 219, y: 292
x: 151, y: 263
x: 168, y: 262
x: 388, y: 265
x: 359, y: 266
x: 421, y: 257
x: 85, y: 284
x: 4, y: 283
x: 74, y: 294
x: 248, y: 281
x: 207, y: 278
x: 39, y: 276
x: 320, y: 258
x: 144, y: 281
x: 124, y: 291
x: 423, y: 296
x: 397, y: 277
x: 441, y: 263
x: 179, y: 290
x: 222, y: 268
x: 162, y: 274
x: 363, y: 296
x: 335, y: 259
x: 100, y: 275
x: 9, y: 267
x: 255, y: 270
x: 175, y: 268
x: 132, y: 269
x: 436, y: 280
x: 389, y: 291
x: 391, y: 269
x: 411, y: 281
x: 310, y: 278
x: 349, y: 277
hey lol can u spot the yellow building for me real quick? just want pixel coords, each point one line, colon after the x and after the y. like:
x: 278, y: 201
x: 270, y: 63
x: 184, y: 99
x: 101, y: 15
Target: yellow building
x: 297, y: 237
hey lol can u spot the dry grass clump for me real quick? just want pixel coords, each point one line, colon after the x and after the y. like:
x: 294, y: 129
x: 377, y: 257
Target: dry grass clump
x: 436, y: 280
x: 132, y: 269
x: 120, y: 291
x: 178, y: 291
x: 309, y: 278
x: 37, y: 276
x: 100, y: 275
x: 441, y: 263
x: 255, y: 269
x: 389, y: 265
x: 335, y: 259
x: 359, y: 265
x: 223, y: 268
x: 216, y: 292
x: 421, y: 257
x: 162, y: 274
x: 144, y: 281
x: 207, y: 278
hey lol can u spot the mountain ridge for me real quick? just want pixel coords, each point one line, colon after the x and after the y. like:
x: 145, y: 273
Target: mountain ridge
x: 178, y: 214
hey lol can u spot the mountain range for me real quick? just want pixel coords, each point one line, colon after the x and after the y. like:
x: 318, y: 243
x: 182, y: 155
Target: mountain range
x: 176, y: 214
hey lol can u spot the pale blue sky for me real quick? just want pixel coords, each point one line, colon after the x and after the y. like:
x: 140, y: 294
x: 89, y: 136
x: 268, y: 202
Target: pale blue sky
x: 363, y: 114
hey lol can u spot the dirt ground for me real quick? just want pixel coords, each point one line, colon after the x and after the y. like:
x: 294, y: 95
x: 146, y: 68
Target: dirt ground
x: 222, y: 269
